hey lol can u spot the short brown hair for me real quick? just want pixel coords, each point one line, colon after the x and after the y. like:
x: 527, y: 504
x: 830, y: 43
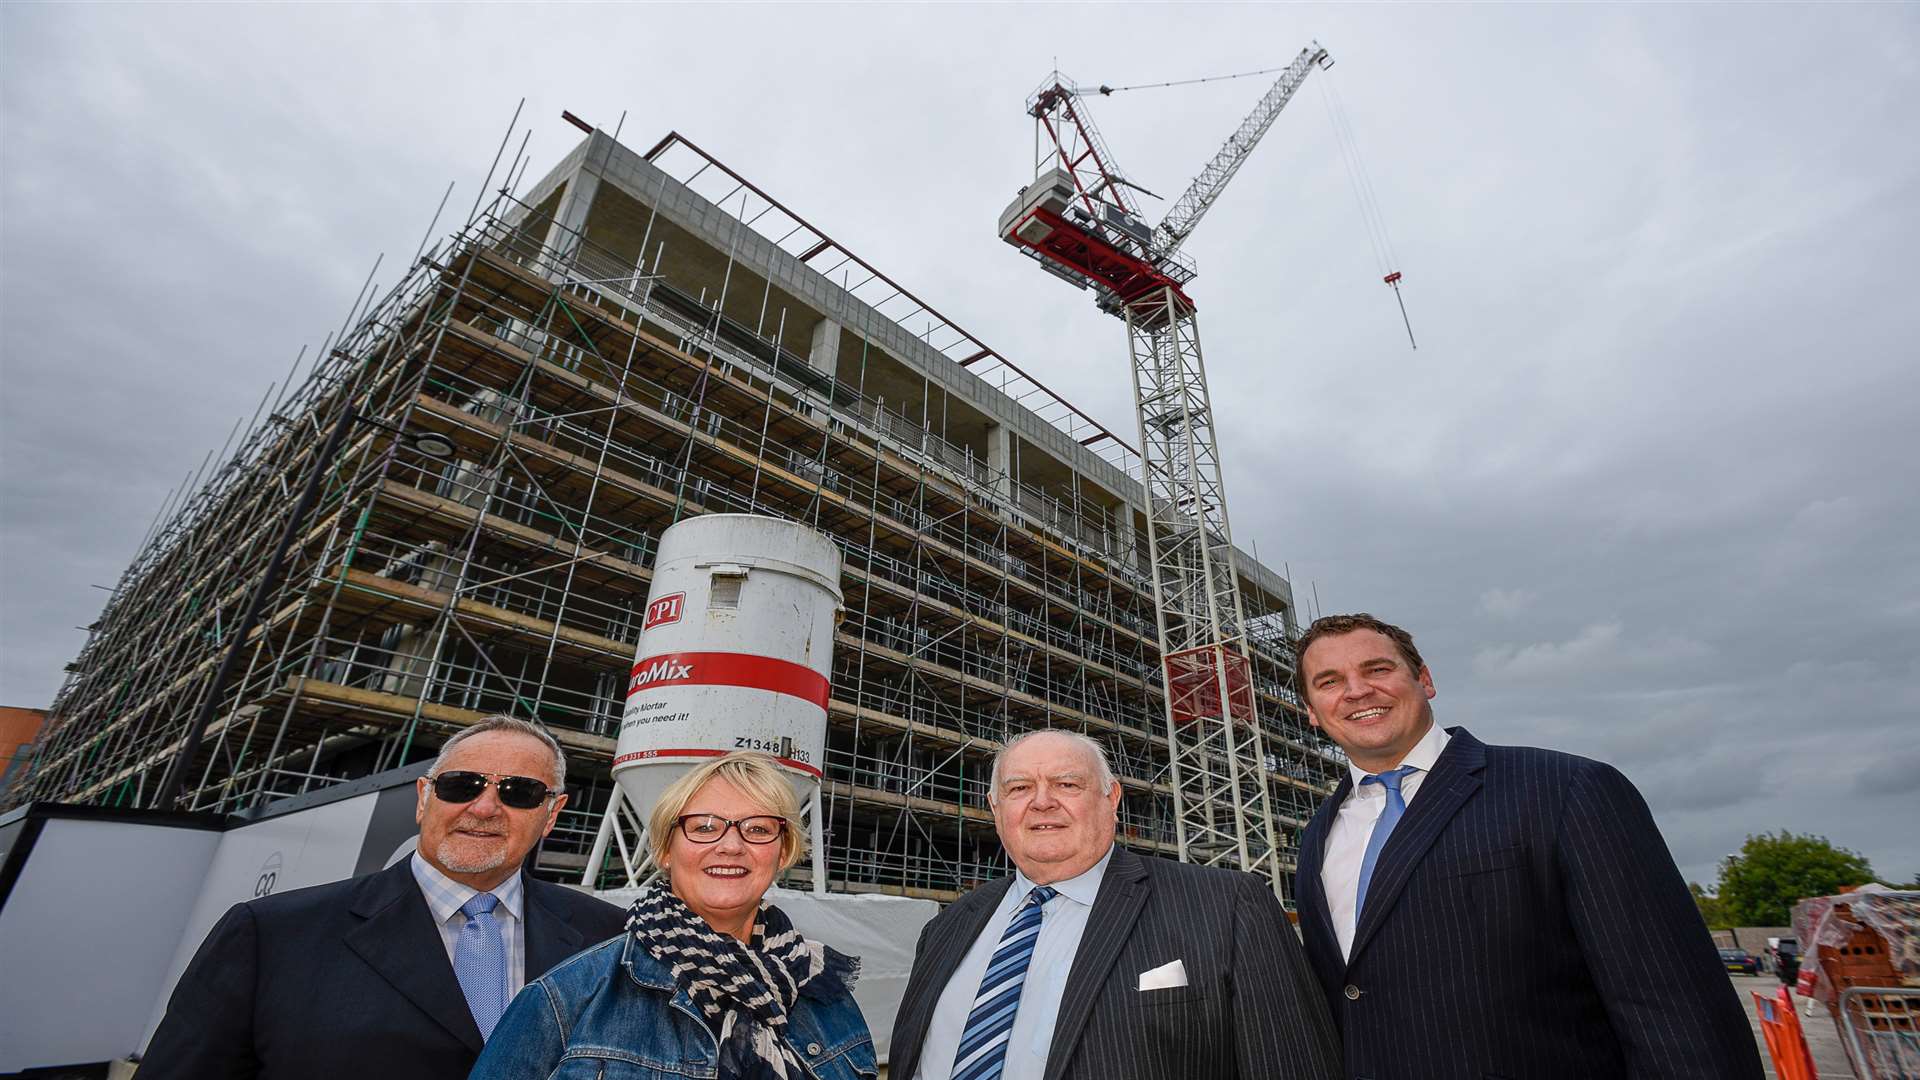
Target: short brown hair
x: 1335, y: 625
x: 756, y: 776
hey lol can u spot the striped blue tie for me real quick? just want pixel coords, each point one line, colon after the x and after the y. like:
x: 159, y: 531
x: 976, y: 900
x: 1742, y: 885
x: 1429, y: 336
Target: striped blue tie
x: 983, y: 1043
x: 480, y: 962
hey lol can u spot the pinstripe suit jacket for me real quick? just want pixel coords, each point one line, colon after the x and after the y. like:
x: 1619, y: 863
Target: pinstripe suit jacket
x: 1524, y: 920
x: 1250, y: 1009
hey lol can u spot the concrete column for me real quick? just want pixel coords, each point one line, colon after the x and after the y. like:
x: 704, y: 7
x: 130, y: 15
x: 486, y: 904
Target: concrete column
x: 570, y: 218
x: 412, y: 659
x: 1124, y: 533
x: 823, y: 355
x: 1000, y: 459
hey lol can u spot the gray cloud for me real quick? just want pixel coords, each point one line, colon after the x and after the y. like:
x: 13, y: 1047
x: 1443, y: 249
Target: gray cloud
x: 1506, y: 603
x: 1892, y: 776
x: 1599, y: 650
x: 1644, y: 492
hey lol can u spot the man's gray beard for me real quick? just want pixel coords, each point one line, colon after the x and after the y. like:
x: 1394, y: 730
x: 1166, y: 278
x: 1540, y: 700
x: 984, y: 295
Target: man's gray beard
x: 445, y: 853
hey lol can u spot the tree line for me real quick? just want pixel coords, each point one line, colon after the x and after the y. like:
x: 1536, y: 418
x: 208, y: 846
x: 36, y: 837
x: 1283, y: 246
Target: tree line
x: 1759, y: 886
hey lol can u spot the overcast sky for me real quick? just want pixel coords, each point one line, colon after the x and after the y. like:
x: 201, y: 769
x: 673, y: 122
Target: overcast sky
x: 1646, y: 491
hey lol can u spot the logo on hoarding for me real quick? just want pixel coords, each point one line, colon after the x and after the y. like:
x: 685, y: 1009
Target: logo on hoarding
x: 665, y: 610
x: 269, y: 876
x: 663, y: 670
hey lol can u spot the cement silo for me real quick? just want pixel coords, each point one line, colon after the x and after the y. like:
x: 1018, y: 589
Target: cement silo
x: 735, y: 653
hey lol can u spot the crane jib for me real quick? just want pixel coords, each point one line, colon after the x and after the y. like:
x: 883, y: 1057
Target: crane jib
x: 1205, y: 190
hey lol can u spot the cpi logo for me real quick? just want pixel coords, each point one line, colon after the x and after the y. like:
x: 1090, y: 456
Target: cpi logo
x: 665, y: 610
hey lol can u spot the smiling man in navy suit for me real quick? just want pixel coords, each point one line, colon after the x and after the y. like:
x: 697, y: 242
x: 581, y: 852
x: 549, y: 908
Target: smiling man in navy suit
x: 1482, y: 911
x: 400, y: 973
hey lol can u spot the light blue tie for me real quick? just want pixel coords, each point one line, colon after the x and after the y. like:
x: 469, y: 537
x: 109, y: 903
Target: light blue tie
x: 983, y: 1042
x: 480, y: 962
x: 1382, y: 828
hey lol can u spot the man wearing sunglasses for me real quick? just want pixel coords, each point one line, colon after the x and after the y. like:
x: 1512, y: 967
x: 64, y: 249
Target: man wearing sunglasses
x: 403, y: 972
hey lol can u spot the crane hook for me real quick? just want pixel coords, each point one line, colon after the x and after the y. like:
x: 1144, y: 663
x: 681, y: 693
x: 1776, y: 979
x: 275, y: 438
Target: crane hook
x: 1393, y: 280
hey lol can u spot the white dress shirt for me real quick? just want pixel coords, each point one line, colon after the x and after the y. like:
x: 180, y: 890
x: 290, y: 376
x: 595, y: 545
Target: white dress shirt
x: 1063, y: 920
x: 445, y: 897
x: 1353, y: 827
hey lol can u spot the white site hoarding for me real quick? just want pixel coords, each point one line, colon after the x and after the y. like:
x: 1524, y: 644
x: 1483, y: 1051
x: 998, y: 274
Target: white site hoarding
x: 88, y: 929
x: 103, y: 909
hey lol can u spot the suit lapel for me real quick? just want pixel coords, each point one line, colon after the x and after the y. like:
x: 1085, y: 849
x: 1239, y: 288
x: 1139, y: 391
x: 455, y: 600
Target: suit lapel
x: 947, y: 943
x: 1116, y: 907
x: 551, y: 935
x: 950, y: 943
x: 398, y: 940
x: 1310, y: 894
x: 1454, y: 780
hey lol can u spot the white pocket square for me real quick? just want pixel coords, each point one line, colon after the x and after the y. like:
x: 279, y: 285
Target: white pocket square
x: 1165, y: 977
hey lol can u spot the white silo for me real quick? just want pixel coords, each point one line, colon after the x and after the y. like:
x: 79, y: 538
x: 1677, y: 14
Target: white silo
x: 735, y: 653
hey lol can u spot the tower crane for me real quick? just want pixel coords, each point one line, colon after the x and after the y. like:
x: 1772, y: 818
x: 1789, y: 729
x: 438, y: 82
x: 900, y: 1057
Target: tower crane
x: 1080, y: 219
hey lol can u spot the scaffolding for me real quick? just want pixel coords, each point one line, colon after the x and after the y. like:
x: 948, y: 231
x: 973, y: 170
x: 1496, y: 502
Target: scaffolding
x: 635, y: 339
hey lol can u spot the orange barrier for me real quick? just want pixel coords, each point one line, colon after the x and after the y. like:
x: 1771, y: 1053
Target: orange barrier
x: 1786, y: 1043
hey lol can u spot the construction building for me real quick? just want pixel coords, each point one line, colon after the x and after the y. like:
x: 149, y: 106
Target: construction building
x: 19, y: 730
x: 632, y: 339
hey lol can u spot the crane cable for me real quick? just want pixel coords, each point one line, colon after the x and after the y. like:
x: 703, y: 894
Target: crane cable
x: 1106, y: 90
x: 1387, y: 259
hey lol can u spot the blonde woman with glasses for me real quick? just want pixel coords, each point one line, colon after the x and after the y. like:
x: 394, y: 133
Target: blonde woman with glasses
x: 709, y: 979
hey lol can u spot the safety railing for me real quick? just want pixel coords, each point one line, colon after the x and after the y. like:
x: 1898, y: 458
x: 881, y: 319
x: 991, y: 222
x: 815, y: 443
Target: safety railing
x: 1881, y: 1026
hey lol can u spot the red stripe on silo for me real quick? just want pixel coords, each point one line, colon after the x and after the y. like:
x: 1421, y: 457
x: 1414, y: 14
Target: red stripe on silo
x: 730, y: 669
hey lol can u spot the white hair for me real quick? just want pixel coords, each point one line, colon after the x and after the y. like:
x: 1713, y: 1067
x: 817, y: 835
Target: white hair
x: 1102, y: 770
x: 510, y: 724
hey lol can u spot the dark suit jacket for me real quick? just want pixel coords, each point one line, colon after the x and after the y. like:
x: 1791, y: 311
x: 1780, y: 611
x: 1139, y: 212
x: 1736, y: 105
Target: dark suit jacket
x: 1524, y: 920
x: 1250, y: 1008
x: 347, y: 981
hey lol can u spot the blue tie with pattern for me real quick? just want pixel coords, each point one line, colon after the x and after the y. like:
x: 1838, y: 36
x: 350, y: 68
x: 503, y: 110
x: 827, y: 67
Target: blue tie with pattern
x: 1382, y: 828
x: 983, y: 1042
x: 480, y: 962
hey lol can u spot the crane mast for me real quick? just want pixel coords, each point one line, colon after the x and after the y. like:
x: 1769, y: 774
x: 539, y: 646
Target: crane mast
x: 1079, y: 221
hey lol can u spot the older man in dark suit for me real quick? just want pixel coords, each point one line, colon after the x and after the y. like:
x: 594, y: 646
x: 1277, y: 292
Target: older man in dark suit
x: 1092, y: 962
x: 1493, y: 911
x: 401, y: 972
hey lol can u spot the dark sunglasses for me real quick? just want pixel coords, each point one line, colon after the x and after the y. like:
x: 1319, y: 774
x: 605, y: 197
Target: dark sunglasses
x: 708, y: 829
x: 519, y: 792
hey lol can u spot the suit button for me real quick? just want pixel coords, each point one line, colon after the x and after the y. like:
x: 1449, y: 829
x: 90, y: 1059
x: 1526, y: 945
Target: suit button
x: 813, y: 1049
x: 1352, y: 992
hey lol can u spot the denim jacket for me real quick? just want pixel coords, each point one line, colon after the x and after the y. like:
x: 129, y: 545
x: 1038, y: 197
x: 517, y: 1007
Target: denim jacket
x: 613, y: 1013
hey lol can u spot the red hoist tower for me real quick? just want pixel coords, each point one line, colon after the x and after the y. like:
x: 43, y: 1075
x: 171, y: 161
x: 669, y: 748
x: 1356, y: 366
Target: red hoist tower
x: 1081, y: 221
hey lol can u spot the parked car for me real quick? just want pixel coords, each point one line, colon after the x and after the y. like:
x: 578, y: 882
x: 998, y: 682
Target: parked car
x: 1786, y: 961
x: 1739, y: 961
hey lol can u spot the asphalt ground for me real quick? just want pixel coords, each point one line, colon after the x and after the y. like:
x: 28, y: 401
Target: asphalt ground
x: 1823, y: 1036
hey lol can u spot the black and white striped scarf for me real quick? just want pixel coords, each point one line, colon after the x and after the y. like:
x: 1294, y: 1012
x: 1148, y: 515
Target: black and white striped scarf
x: 744, y: 991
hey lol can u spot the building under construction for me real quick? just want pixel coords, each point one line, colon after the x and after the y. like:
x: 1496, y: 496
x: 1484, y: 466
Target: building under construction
x: 630, y: 340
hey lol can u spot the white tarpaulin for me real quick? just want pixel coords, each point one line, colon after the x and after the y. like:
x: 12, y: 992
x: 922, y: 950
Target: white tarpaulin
x: 880, y: 930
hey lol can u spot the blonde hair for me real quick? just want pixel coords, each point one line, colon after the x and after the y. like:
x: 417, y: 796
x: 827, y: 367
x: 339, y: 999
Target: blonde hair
x: 756, y: 776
